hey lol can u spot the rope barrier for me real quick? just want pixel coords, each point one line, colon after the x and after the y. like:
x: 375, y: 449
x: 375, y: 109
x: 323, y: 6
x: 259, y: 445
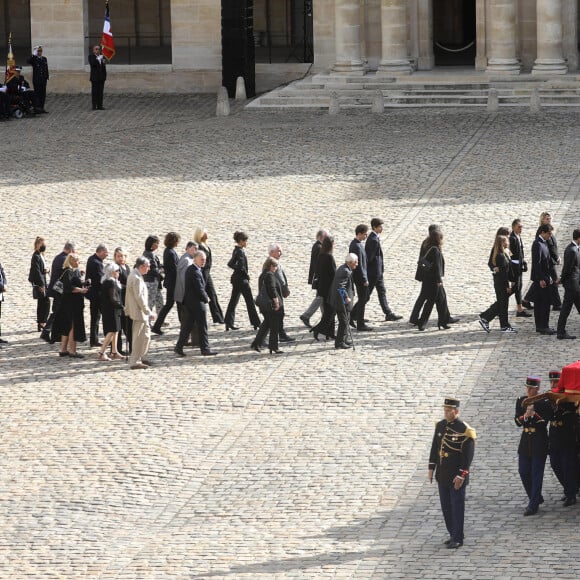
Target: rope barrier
x: 455, y: 49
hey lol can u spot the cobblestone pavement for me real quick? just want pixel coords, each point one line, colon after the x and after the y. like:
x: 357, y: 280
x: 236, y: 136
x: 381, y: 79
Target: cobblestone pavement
x: 312, y: 465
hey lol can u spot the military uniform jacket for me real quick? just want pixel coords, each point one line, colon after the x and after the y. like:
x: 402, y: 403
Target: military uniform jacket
x: 562, y: 434
x: 452, y: 451
x: 534, y: 439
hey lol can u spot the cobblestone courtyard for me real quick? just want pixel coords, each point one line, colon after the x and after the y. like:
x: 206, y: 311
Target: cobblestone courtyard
x: 308, y: 465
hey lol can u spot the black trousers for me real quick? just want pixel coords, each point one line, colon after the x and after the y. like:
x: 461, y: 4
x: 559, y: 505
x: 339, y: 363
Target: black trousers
x: 271, y: 324
x: 453, y: 508
x: 434, y: 296
x: 215, y: 309
x: 190, y: 318
x: 381, y: 293
x: 326, y: 324
x: 241, y: 288
x: 571, y: 298
x: 169, y: 302
x: 95, y: 319
x: 500, y: 306
x: 40, y: 91
x: 42, y: 309
x: 342, y: 315
x: 97, y: 91
x: 358, y: 311
x: 542, y: 299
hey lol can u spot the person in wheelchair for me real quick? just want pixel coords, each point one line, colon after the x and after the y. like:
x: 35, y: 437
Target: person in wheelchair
x: 20, y: 93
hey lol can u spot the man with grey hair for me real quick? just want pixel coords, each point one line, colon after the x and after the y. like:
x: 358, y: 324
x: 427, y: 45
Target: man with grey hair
x: 94, y: 274
x: 56, y: 271
x: 342, y: 296
x: 137, y: 309
x: 318, y: 301
x: 275, y: 251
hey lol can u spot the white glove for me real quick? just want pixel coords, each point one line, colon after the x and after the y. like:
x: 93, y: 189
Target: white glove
x: 35, y: 53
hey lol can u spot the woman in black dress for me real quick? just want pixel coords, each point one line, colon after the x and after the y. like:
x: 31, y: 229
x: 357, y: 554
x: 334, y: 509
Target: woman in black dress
x: 240, y: 284
x: 432, y: 282
x: 111, y: 308
x: 37, y: 277
x: 272, y: 316
x: 200, y: 238
x: 324, y: 274
x: 69, y: 321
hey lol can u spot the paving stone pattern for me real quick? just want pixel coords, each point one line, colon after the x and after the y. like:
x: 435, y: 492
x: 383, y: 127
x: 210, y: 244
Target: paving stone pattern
x: 308, y: 465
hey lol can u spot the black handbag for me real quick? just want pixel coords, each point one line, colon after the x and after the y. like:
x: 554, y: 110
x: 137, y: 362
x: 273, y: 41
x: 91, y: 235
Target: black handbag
x: 315, y: 282
x: 423, y: 266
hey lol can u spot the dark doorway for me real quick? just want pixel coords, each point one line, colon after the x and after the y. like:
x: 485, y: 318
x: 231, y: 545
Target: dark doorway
x: 15, y: 19
x: 454, y: 32
x: 238, y: 59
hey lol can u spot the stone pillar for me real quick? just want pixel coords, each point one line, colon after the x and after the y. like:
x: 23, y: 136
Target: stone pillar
x: 502, y: 38
x: 395, y: 56
x: 61, y: 34
x: 550, y: 59
x: 347, y: 37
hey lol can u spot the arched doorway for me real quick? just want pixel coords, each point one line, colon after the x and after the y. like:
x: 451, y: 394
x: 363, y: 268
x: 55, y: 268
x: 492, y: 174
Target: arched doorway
x: 454, y: 32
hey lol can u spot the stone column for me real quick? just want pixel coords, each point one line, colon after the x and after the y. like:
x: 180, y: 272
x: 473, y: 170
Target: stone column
x: 550, y: 57
x: 347, y: 37
x: 502, y: 38
x: 395, y: 56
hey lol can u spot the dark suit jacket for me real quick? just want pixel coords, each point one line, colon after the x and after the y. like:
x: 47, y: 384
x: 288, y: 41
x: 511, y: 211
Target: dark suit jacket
x: 360, y: 275
x: 342, y: 280
x: 517, y: 251
x: 195, y: 294
x: 36, y: 276
x: 552, y: 244
x: 170, y: 259
x: 375, y: 266
x: 314, y: 253
x: 98, y: 70
x: 570, y: 275
x: 273, y: 286
x: 39, y: 69
x: 94, y: 273
x: 56, y: 269
x: 541, y: 261
x: 239, y: 264
x: 437, y: 271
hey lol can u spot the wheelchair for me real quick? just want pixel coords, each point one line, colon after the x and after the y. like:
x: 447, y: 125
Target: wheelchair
x: 21, y: 105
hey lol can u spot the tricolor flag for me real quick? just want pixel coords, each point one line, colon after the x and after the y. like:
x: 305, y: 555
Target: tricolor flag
x: 107, y: 42
x: 10, y: 62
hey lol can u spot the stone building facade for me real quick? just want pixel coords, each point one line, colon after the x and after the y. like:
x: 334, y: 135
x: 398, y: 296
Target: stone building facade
x: 176, y: 45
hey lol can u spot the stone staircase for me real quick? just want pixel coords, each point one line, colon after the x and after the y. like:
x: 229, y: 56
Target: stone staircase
x: 419, y: 90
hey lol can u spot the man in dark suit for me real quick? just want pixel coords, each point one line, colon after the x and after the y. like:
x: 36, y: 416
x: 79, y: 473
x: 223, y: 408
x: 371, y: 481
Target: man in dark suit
x: 360, y: 278
x: 570, y: 279
x: 55, y: 274
x: 3, y: 287
x: 195, y: 305
x: 542, y: 279
x: 318, y: 300
x: 39, y: 76
x: 451, y: 455
x: 376, y: 267
x: 518, y: 265
x: 341, y: 296
x: 94, y: 273
x: 98, y: 77
x: 533, y: 447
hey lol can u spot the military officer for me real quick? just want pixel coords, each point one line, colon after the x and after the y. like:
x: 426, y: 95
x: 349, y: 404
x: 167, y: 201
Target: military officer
x: 450, y: 458
x: 533, y: 448
x: 562, y: 443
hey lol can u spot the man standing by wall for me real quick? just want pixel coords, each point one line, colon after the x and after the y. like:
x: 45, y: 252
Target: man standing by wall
x: 98, y: 77
x: 39, y: 76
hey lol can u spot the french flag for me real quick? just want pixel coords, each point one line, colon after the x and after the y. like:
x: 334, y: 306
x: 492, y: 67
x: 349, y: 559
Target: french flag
x: 107, y: 41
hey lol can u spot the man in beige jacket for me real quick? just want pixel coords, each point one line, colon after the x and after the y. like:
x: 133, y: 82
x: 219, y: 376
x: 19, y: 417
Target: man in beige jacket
x: 137, y: 309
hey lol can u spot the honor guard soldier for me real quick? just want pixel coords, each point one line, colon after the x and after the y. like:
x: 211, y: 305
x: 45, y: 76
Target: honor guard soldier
x: 450, y: 458
x: 562, y: 443
x: 533, y: 448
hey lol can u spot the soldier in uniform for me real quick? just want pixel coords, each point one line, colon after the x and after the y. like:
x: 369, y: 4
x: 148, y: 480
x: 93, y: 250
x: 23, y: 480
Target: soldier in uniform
x: 533, y: 448
x: 562, y: 443
x: 450, y: 458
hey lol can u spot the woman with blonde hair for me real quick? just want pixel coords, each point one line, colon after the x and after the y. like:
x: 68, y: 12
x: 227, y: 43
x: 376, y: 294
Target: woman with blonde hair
x: 69, y: 322
x: 200, y: 238
x: 37, y: 277
x: 111, y: 307
x: 502, y: 277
